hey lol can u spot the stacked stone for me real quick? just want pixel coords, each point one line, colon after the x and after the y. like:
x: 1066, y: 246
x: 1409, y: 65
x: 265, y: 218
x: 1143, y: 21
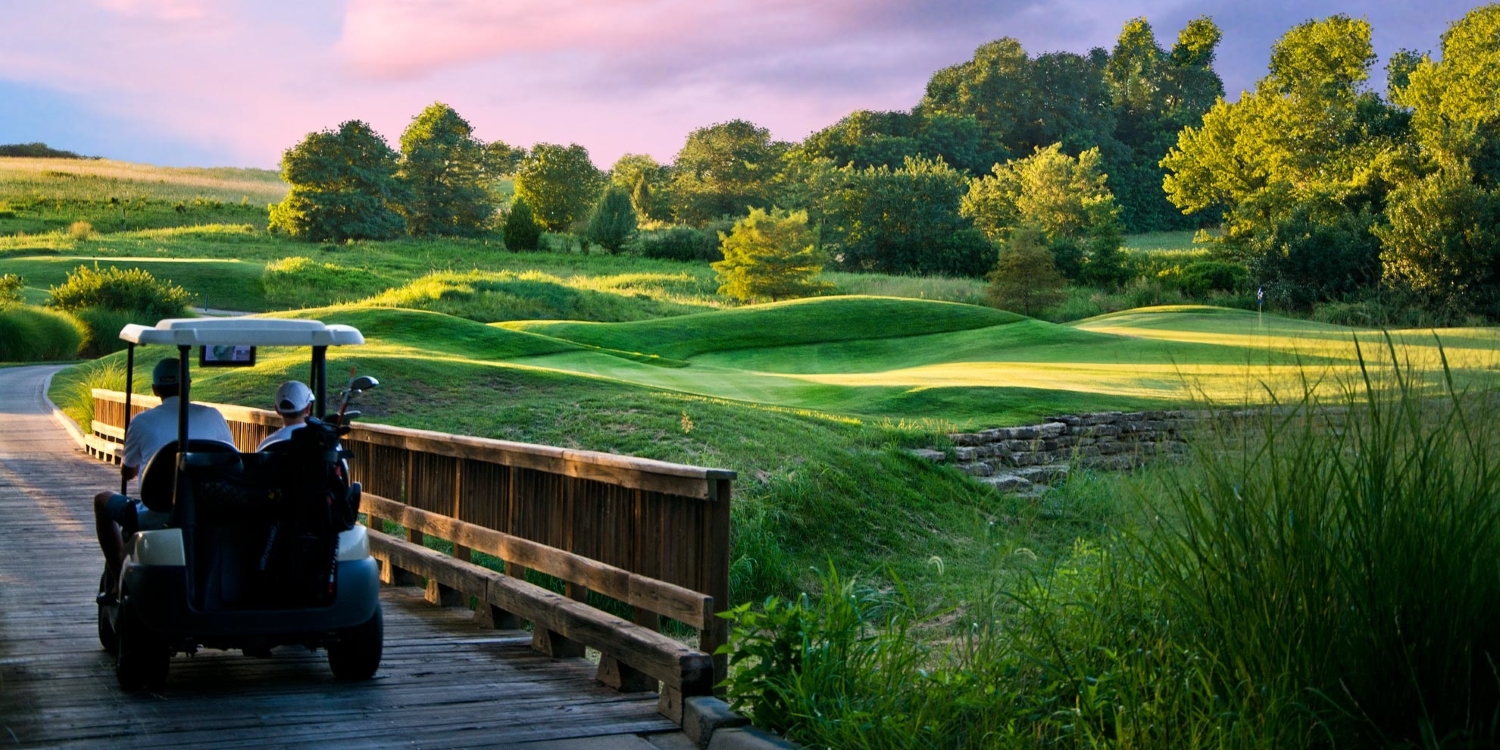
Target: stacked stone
x: 1025, y: 459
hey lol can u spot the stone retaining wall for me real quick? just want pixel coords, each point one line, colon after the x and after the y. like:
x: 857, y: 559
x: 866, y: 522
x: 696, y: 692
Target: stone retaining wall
x: 1026, y: 459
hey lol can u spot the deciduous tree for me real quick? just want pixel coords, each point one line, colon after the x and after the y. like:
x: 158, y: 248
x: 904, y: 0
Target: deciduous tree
x: 1024, y: 279
x: 560, y: 183
x: 443, y: 167
x: 903, y: 220
x: 344, y: 187
x: 723, y: 170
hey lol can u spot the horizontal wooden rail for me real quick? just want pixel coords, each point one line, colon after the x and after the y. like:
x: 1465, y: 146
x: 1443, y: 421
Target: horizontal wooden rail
x: 676, y: 665
x: 650, y: 534
x: 681, y: 604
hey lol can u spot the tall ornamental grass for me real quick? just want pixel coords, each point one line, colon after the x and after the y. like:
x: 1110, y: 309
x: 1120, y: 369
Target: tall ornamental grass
x: 35, y: 334
x: 1349, y: 554
x: 1319, y: 575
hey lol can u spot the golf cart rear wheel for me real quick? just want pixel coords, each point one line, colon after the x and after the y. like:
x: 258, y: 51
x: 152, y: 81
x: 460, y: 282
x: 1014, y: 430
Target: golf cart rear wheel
x: 143, y: 657
x: 107, y: 637
x: 356, y: 655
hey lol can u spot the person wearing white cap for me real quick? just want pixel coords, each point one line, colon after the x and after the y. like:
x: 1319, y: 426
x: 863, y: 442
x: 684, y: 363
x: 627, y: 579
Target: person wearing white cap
x: 294, y: 401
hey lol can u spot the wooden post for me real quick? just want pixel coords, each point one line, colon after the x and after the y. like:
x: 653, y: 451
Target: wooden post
x: 716, y: 565
x: 624, y: 677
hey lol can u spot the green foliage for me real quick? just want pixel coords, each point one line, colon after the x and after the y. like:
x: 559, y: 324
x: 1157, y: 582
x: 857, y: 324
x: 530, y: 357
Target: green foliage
x: 647, y: 184
x: 501, y: 159
x: 1300, y: 166
x: 120, y: 289
x: 101, y: 328
x: 521, y: 230
x: 10, y: 289
x: 678, y: 243
x: 533, y: 295
x: 1443, y: 240
x: 37, y: 150
x: 723, y: 170
x: 903, y: 221
x: 344, y: 187
x: 34, y: 334
x: 1198, y: 278
x: 1025, y: 280
x: 1063, y: 198
x: 445, y: 170
x: 612, y: 223
x: 73, y: 389
x: 559, y: 183
x: 770, y: 256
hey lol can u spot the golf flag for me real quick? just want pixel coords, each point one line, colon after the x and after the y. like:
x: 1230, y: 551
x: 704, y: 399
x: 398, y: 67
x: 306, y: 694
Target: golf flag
x: 1260, y: 294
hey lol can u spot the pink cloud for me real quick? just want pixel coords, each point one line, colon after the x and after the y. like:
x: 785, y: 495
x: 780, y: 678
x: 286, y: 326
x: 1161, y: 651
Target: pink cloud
x: 166, y: 10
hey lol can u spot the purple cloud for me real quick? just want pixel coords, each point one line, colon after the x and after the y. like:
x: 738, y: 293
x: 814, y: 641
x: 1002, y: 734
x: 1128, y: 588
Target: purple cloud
x: 246, y: 79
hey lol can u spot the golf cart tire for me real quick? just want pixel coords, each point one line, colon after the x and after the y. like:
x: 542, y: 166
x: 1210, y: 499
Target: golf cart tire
x: 356, y: 655
x: 107, y: 637
x: 143, y: 658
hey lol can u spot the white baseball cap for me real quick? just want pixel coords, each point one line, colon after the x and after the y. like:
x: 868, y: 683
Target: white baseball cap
x: 292, y: 397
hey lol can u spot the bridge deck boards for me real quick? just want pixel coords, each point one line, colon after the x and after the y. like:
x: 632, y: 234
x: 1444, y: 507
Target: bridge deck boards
x: 443, y: 683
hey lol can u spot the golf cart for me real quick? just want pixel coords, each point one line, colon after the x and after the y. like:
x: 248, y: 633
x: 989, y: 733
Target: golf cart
x: 261, y: 549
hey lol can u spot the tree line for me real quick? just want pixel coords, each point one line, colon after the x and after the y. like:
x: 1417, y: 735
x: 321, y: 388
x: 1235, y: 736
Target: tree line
x: 1316, y: 186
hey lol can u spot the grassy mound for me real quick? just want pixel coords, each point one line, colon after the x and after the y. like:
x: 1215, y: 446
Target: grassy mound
x: 35, y: 334
x: 500, y: 296
x: 223, y: 284
x: 805, y: 321
x: 438, y: 333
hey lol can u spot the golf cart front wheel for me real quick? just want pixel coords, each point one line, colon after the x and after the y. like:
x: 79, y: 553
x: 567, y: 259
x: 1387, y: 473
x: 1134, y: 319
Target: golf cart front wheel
x: 356, y: 654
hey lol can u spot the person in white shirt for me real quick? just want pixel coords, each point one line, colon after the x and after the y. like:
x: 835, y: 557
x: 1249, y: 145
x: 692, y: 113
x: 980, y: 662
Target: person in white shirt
x: 294, y: 402
x: 117, y: 516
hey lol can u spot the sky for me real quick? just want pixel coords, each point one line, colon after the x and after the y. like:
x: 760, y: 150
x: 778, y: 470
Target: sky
x: 236, y: 82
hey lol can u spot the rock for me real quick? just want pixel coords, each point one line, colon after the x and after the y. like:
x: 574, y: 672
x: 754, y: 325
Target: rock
x: 977, y: 469
x: 1008, y: 482
x: 966, y: 438
x: 927, y: 454
x: 1052, y: 430
x: 966, y: 454
x: 1048, y: 474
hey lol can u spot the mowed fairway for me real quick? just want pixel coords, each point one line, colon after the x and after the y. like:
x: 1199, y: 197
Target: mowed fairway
x: 875, y: 357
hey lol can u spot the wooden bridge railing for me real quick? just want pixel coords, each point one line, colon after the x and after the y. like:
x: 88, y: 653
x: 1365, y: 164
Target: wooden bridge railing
x: 650, y: 535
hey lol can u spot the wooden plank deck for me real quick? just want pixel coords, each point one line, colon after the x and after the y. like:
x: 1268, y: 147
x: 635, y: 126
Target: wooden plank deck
x: 443, y: 683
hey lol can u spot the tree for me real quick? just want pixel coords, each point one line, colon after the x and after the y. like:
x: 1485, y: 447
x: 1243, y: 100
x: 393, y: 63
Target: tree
x: 1065, y: 199
x: 612, y: 222
x: 770, y: 256
x: 501, y: 159
x: 1024, y: 279
x: 521, y: 230
x: 724, y: 169
x: 1309, y: 151
x: 344, y: 187
x: 903, y: 220
x: 646, y: 181
x: 444, y: 168
x: 559, y: 183
x: 1443, y: 235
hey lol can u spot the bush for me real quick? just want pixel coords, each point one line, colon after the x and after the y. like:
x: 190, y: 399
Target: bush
x: 522, y: 232
x: 80, y: 230
x: 10, y: 289
x: 678, y: 243
x: 76, y: 396
x: 35, y: 334
x: 612, y: 222
x: 1199, y: 278
x: 122, y: 290
x: 101, y: 329
x: 770, y: 256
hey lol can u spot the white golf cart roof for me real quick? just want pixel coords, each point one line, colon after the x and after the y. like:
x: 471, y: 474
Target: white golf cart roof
x: 242, y: 332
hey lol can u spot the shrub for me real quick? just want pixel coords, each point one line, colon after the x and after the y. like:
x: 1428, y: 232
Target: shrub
x: 35, y: 334
x: 1024, y: 279
x: 101, y: 329
x: 1198, y: 278
x: 77, y: 399
x: 522, y: 232
x: 80, y: 230
x: 612, y: 222
x: 770, y: 256
x: 678, y: 243
x: 10, y: 288
x: 120, y: 289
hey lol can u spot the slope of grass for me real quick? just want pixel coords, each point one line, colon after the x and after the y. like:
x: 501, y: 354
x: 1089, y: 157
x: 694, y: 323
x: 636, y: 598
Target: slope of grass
x: 227, y: 284
x: 803, y: 321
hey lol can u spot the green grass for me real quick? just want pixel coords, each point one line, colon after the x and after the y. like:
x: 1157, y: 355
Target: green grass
x: 36, y: 334
x: 226, y: 284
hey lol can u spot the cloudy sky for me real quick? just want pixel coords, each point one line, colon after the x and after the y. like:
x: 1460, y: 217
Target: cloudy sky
x: 234, y: 82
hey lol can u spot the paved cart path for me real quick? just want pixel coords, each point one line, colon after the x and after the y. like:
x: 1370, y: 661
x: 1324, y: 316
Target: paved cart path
x: 443, y: 683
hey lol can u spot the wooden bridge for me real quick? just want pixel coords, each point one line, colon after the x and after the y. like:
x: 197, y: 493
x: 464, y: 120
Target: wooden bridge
x: 596, y: 554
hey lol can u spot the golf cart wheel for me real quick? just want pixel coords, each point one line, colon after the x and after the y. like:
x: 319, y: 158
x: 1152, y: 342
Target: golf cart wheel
x: 143, y: 657
x: 107, y: 637
x: 356, y: 655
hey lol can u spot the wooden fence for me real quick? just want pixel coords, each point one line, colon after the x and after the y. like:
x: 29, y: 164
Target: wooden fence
x: 649, y: 535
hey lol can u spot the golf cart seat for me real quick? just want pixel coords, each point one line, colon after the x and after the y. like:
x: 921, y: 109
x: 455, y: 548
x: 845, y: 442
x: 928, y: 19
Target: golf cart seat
x: 159, y: 477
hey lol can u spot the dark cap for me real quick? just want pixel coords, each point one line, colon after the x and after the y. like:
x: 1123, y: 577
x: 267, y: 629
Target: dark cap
x: 165, y: 372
